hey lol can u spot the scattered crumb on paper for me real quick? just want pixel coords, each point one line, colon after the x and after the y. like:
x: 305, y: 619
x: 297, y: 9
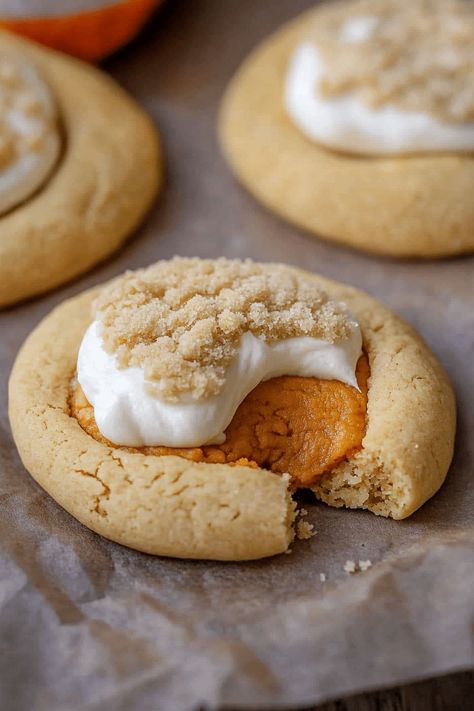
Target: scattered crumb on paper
x: 304, y: 530
x: 350, y: 566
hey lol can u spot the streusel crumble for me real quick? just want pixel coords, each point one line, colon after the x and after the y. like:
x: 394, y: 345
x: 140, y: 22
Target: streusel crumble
x: 181, y: 320
x: 418, y: 55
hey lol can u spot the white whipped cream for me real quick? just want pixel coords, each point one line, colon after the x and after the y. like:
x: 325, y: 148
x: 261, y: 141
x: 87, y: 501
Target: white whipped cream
x: 28, y: 130
x: 127, y: 414
x: 345, y: 123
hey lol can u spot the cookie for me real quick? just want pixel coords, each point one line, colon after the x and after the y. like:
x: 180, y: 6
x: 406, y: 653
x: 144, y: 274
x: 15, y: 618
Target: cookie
x: 97, y: 171
x: 410, y: 205
x: 186, y: 506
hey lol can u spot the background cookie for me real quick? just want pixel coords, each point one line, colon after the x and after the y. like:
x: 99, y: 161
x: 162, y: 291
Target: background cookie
x: 104, y: 181
x: 407, y: 206
x: 170, y: 506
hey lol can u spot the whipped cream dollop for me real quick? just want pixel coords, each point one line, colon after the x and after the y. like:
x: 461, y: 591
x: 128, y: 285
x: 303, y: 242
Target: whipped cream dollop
x: 127, y: 413
x: 344, y: 122
x: 30, y: 140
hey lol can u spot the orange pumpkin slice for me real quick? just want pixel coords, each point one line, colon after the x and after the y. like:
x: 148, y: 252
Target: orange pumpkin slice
x: 91, y: 29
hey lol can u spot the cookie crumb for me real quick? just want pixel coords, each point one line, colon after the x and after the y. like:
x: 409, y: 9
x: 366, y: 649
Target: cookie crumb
x: 288, y: 551
x: 303, y: 512
x: 181, y: 320
x: 322, y: 577
x: 350, y: 567
x: 305, y: 530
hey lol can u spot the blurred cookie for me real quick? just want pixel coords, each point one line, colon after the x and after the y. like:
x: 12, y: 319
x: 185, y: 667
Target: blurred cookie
x: 79, y: 167
x: 356, y: 122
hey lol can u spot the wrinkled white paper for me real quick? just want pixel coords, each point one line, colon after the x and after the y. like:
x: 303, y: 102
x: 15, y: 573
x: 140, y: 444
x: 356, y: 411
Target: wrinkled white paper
x: 85, y: 623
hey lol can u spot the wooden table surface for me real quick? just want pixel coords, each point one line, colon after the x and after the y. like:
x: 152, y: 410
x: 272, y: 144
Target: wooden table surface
x: 455, y: 692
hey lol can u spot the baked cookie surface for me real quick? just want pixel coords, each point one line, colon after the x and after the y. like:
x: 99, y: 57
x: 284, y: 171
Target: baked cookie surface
x: 104, y: 180
x: 413, y: 205
x: 169, y: 505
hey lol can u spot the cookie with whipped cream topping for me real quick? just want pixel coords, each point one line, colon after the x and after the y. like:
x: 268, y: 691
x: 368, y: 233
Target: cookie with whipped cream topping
x: 370, y: 104
x: 69, y: 193
x: 305, y: 406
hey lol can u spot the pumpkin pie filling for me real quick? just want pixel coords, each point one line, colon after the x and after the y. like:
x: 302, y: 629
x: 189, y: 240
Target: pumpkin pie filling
x: 300, y: 426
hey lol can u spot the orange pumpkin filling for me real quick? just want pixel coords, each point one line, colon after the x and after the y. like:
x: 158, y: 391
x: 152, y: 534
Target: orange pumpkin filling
x: 300, y: 426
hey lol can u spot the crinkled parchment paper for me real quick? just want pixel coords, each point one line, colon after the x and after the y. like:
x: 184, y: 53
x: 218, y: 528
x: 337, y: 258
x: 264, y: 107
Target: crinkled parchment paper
x: 87, y: 624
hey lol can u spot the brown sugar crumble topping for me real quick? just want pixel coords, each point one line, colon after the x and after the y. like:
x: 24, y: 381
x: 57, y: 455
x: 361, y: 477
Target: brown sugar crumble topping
x: 418, y: 55
x: 181, y: 320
